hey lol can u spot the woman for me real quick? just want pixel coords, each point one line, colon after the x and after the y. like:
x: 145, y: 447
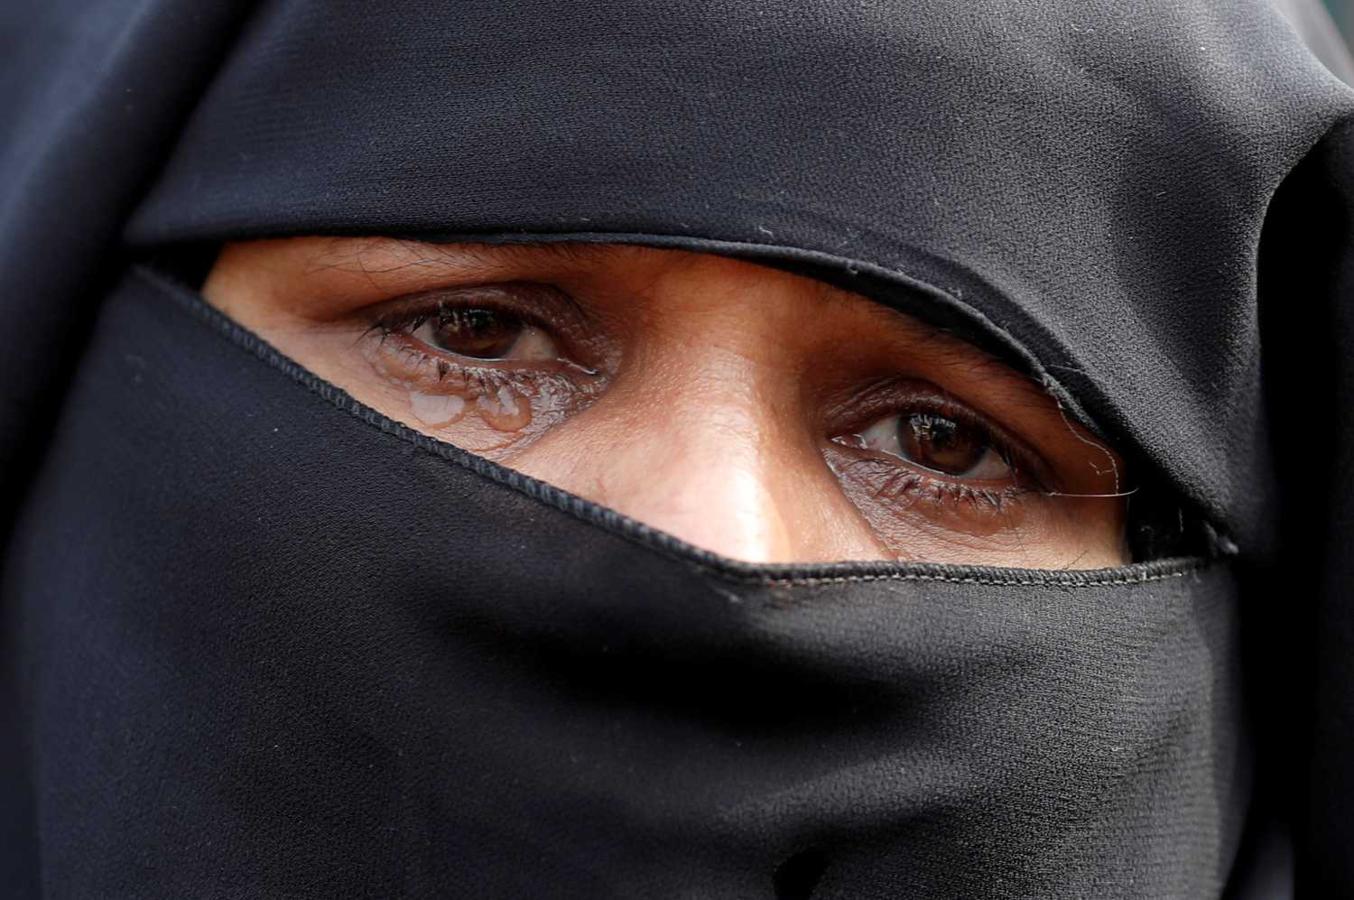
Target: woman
x: 760, y: 415
x: 789, y: 450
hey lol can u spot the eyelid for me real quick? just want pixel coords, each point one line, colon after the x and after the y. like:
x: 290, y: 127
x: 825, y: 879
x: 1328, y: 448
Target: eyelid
x: 895, y: 397
x: 529, y: 301
x: 537, y: 305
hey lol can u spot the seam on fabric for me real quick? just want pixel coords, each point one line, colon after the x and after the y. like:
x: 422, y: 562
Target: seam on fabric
x: 667, y: 545
x: 1188, y: 567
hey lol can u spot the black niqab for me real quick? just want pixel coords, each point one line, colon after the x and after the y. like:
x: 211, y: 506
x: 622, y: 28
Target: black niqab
x: 262, y: 641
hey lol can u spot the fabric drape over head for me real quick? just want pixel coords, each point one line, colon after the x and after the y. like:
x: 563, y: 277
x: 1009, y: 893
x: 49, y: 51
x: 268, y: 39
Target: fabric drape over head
x: 260, y: 640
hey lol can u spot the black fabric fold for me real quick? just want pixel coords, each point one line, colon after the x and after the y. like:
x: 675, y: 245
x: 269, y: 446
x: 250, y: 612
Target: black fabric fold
x: 1090, y: 180
x: 1308, y: 256
x: 397, y: 700
x: 258, y: 640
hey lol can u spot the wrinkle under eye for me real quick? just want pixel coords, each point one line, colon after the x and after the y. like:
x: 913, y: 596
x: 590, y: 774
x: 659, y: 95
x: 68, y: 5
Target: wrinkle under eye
x: 465, y: 365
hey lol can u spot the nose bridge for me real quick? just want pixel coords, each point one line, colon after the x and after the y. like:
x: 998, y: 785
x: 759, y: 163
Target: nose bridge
x: 737, y: 461
x: 710, y: 456
x: 694, y: 438
x: 703, y: 434
x: 708, y: 466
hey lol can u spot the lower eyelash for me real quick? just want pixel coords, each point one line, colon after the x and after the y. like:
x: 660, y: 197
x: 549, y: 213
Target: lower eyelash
x: 479, y: 379
x: 910, y: 485
x: 546, y: 393
x: 1026, y: 466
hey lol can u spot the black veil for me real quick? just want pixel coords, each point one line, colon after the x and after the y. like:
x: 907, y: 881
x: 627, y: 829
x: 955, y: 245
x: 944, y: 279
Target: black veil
x: 1147, y: 207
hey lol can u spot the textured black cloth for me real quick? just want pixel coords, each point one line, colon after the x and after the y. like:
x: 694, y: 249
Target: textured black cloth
x: 335, y: 677
x: 261, y: 641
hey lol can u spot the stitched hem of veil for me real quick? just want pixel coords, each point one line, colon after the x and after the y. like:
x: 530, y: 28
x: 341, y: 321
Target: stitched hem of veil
x: 645, y: 535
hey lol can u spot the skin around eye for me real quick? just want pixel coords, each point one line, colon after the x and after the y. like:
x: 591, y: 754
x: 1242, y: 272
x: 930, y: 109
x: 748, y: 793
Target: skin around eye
x: 761, y: 415
x: 485, y: 334
x: 467, y: 364
x: 923, y: 462
x: 474, y: 332
x: 937, y: 444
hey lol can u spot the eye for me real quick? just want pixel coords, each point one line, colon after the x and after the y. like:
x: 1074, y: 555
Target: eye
x: 938, y: 443
x: 473, y: 363
x: 484, y: 333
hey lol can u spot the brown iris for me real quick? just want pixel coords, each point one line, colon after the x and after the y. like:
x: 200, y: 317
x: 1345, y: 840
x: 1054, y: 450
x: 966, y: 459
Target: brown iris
x: 477, y: 333
x: 941, y: 444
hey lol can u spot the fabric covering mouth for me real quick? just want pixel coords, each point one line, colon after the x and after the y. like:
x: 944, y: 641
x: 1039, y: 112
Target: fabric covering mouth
x: 259, y: 639
x: 581, y: 706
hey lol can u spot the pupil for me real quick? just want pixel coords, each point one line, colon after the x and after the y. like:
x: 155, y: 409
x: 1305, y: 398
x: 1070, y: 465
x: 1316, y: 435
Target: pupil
x: 479, y: 333
x: 941, y: 444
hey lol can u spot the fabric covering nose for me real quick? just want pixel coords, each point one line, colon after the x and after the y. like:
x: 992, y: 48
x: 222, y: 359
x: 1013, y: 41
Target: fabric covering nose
x: 394, y: 698
x: 258, y: 640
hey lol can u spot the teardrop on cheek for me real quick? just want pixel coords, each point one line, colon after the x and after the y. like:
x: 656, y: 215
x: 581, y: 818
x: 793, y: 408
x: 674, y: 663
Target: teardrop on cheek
x: 504, y: 409
x: 436, y: 410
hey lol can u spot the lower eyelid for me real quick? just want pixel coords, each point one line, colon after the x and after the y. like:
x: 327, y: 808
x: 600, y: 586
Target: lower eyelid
x: 854, y: 444
x: 889, y: 397
x: 442, y: 392
x: 904, y: 507
x: 941, y: 490
x: 895, y: 483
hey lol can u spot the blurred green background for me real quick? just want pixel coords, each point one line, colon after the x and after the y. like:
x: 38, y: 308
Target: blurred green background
x: 1343, y: 13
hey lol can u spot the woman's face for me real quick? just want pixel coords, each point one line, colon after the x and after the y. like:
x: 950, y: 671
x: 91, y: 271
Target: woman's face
x: 761, y: 415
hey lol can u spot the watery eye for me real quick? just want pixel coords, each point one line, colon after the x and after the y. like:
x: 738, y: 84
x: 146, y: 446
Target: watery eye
x: 937, y: 443
x: 480, y: 333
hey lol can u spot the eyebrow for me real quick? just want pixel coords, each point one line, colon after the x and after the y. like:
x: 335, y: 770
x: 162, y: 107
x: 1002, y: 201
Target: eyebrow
x: 385, y: 255
x: 484, y: 259
x: 475, y: 259
x: 471, y: 260
x: 481, y: 259
x: 944, y: 346
x: 495, y: 255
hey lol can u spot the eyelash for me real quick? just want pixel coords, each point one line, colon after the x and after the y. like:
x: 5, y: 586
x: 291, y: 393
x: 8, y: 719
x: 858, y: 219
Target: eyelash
x: 911, y: 480
x: 484, y: 377
x: 910, y: 483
